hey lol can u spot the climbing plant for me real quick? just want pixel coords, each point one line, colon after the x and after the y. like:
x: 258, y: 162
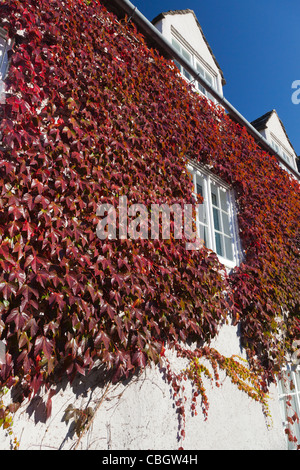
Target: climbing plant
x: 92, y: 114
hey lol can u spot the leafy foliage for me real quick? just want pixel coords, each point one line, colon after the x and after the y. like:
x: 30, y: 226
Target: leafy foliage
x: 92, y: 114
x: 80, y: 417
x: 6, y: 418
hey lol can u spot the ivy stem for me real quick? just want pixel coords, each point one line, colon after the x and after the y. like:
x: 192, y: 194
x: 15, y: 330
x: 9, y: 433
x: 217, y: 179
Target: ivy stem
x: 90, y: 422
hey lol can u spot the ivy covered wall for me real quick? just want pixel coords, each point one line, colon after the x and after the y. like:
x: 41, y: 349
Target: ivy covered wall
x: 93, y: 114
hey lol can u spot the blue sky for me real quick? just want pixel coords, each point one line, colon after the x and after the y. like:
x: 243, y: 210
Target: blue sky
x: 257, y: 45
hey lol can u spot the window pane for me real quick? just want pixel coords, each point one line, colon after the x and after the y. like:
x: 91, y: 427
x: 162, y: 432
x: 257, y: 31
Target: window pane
x: 2, y: 47
x: 187, y: 74
x: 200, y: 69
x: 224, y: 201
x: 186, y: 55
x: 199, y: 189
x: 218, y: 244
x: 202, y: 89
x: 287, y: 384
x: 201, y: 207
x: 214, y: 198
x: 208, y: 78
x: 176, y: 45
x: 286, y: 157
x: 216, y: 214
x: 228, y: 248
x: 3, y: 57
x: 203, y: 233
x: 226, y: 224
x: 297, y: 376
x: 202, y: 213
x: 177, y: 65
x: 4, y: 66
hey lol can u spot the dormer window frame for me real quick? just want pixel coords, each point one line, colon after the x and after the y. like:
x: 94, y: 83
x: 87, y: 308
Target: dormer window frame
x: 197, y: 62
x: 281, y: 150
x: 208, y: 77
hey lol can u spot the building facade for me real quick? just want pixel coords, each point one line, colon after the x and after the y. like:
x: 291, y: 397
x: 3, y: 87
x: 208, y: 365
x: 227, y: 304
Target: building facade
x: 139, y: 413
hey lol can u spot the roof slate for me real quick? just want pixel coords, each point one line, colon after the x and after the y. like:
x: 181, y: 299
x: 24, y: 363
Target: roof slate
x: 261, y: 122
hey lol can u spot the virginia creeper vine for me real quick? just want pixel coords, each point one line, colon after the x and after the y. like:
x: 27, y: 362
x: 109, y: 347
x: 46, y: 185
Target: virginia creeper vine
x: 91, y: 114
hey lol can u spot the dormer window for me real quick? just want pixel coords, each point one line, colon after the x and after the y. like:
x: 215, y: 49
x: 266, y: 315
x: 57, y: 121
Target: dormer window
x: 201, y: 69
x: 281, y: 151
x: 271, y: 128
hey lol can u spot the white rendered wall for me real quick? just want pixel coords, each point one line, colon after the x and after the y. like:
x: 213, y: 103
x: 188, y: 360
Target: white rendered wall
x: 140, y: 415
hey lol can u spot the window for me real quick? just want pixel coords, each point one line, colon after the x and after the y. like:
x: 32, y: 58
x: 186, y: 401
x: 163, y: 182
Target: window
x: 285, y: 155
x: 4, y: 47
x: 289, y: 391
x: 216, y: 221
x: 275, y: 146
x: 207, y: 76
x: 186, y: 55
x: 199, y: 67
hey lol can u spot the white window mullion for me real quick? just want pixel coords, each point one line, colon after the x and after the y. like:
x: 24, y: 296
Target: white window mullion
x: 220, y: 213
x: 297, y: 391
x: 203, y: 224
x: 210, y: 215
x: 195, y: 194
x: 207, y: 210
x: 231, y: 216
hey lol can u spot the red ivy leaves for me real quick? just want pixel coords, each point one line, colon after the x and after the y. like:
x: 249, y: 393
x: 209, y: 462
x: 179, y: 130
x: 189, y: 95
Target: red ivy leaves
x: 91, y: 116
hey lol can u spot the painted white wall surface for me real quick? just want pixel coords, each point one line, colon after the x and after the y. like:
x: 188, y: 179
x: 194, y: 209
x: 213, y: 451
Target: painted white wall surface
x: 140, y: 415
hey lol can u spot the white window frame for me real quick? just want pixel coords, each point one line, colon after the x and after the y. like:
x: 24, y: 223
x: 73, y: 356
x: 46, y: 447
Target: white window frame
x: 292, y: 395
x: 225, y: 193
x: 186, y: 54
x: 204, y: 73
x: 281, y: 150
x: 4, y: 64
x: 199, y: 66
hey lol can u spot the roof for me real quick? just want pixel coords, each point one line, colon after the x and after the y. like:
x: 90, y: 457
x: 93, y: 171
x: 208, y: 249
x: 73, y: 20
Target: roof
x: 184, y: 12
x: 262, y: 122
